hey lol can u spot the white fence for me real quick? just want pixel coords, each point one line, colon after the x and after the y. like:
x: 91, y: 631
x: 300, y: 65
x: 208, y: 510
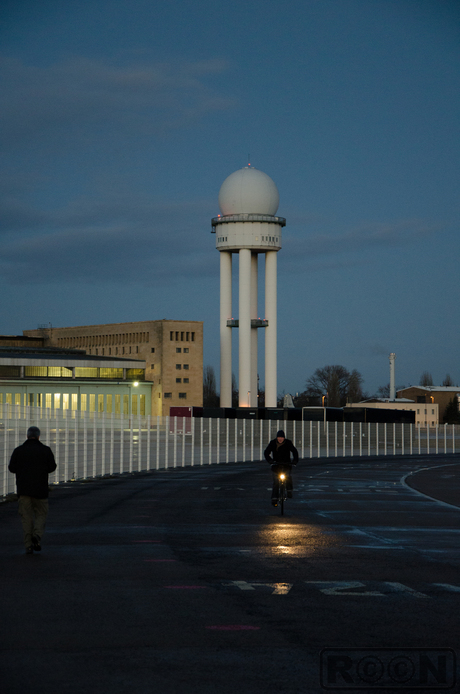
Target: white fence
x: 96, y: 444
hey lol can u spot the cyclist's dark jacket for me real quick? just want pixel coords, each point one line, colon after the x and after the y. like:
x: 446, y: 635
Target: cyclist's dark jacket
x: 31, y: 463
x: 281, y: 453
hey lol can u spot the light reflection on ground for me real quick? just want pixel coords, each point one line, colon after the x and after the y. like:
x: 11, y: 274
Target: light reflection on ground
x: 296, y: 539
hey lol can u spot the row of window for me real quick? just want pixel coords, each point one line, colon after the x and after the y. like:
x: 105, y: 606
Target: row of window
x: 64, y: 372
x: 182, y: 396
x: 182, y: 366
x: 89, y: 402
x: 99, y: 340
x: 123, y: 350
x: 181, y: 336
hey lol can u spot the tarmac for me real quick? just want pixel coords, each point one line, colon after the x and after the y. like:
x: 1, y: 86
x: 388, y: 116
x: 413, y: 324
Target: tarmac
x: 188, y: 580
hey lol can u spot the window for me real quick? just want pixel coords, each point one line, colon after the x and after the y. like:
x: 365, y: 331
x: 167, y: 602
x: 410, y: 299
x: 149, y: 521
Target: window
x: 178, y: 380
x: 187, y: 336
x: 432, y: 411
x: 171, y: 335
x: 168, y: 395
x: 186, y: 366
x: 185, y: 380
x: 109, y: 404
x: 193, y: 337
x: 182, y: 337
x: 178, y: 350
x: 152, y: 366
x: 186, y: 350
x: 125, y: 404
x: 152, y: 350
x: 182, y: 396
x: 179, y: 366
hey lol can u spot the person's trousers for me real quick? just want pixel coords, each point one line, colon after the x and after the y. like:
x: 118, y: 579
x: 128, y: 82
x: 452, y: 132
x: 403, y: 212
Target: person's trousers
x: 33, y: 514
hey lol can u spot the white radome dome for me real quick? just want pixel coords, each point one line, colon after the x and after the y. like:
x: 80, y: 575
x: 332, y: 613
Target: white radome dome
x: 248, y: 191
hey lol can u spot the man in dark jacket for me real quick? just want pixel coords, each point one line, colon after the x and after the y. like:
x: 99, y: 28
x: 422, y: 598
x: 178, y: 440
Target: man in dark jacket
x: 278, y: 454
x: 31, y: 463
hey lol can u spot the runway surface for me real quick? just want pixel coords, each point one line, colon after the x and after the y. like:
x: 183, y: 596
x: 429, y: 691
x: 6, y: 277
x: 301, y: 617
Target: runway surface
x: 187, y: 580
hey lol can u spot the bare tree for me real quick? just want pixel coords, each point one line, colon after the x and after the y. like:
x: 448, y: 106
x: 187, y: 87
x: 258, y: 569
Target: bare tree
x: 336, y: 383
x: 210, y: 396
x: 235, y: 392
x: 426, y: 379
x: 447, y: 381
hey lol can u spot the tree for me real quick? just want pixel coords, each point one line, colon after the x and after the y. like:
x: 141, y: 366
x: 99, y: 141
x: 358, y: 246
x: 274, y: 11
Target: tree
x: 235, y: 392
x: 210, y: 396
x: 447, y: 381
x: 451, y: 413
x: 426, y: 379
x: 337, y: 384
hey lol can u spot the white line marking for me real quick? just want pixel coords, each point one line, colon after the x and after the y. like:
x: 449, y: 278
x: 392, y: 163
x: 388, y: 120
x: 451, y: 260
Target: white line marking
x: 405, y: 589
x: 340, y: 588
x: 448, y: 586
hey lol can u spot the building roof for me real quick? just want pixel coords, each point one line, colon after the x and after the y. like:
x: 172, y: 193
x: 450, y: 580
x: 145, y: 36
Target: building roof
x: 433, y: 389
x: 49, y: 356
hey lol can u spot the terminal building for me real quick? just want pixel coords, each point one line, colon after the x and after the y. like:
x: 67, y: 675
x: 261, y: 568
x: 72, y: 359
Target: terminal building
x: 95, y: 367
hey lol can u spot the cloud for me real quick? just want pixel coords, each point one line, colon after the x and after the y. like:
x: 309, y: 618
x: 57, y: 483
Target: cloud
x: 122, y: 238
x: 367, y: 236
x: 82, y: 99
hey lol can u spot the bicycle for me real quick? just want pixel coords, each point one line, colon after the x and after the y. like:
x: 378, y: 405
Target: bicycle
x: 282, y: 489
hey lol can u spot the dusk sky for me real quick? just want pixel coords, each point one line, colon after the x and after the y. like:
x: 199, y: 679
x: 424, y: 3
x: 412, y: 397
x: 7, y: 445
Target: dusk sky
x: 120, y: 121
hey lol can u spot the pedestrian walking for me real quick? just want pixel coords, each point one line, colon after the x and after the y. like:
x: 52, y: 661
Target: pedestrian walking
x: 31, y: 463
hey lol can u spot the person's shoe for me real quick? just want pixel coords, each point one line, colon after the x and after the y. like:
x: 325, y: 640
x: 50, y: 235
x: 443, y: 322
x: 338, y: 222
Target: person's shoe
x: 29, y: 550
x: 289, y: 495
x: 36, y: 544
x: 274, y: 502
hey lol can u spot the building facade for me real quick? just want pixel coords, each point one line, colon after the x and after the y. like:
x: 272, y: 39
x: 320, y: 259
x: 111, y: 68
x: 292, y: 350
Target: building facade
x: 172, y: 351
x: 71, y: 380
x: 425, y: 414
x: 428, y: 395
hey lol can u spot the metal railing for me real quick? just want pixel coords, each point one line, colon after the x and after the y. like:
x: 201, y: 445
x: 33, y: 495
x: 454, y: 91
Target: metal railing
x: 92, y: 444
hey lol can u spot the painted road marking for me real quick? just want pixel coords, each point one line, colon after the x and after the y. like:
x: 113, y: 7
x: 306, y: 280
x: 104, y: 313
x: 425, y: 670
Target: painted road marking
x: 233, y: 627
x: 278, y: 588
x: 344, y: 588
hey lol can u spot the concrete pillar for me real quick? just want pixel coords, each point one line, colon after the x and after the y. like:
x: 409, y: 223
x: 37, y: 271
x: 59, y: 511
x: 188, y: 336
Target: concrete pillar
x: 254, y: 280
x: 244, y: 318
x: 392, y: 376
x: 270, y: 330
x: 225, y: 332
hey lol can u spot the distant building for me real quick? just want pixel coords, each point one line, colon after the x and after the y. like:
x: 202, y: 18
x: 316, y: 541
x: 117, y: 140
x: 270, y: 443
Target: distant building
x: 429, y: 395
x: 424, y: 415
x: 172, y: 351
x: 66, y: 379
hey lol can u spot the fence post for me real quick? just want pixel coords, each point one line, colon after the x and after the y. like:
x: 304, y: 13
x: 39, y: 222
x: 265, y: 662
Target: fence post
x: 94, y: 442
x: 157, y: 462
x: 139, y: 444
x: 168, y: 424
x: 210, y: 440
x: 193, y: 422
x: 175, y: 443
x: 103, y: 444
x: 111, y: 441
x: 66, y: 447
x: 201, y: 441
x: 85, y: 445
x: 183, y: 441
x: 149, y: 436
x: 227, y: 441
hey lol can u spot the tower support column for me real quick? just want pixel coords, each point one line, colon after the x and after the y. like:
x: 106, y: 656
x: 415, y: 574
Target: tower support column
x: 270, y: 330
x: 244, y: 316
x: 225, y: 332
x: 254, y: 341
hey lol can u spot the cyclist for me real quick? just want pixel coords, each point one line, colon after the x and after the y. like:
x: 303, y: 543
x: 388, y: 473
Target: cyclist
x: 278, y: 454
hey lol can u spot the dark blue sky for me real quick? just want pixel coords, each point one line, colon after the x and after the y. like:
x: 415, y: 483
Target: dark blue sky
x: 120, y: 121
